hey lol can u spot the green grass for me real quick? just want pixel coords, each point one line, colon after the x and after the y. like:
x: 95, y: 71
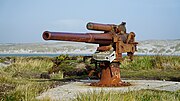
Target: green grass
x: 28, y: 67
x: 152, y: 62
x: 19, y: 81
x: 26, y: 92
x: 152, y: 67
x: 142, y: 95
x: 143, y: 67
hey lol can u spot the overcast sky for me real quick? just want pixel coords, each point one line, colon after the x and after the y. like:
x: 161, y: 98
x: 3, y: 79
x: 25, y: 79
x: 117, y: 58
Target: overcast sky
x: 25, y: 20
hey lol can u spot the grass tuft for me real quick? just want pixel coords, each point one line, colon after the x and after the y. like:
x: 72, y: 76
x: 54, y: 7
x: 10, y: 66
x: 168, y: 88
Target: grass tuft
x: 142, y: 95
x: 152, y: 67
x: 16, y: 82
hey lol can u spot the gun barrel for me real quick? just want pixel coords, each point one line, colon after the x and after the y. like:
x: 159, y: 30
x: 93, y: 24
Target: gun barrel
x: 97, y: 38
x: 100, y: 27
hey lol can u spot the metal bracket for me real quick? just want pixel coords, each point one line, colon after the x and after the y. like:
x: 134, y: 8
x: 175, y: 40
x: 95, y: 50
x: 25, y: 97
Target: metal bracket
x: 105, y: 56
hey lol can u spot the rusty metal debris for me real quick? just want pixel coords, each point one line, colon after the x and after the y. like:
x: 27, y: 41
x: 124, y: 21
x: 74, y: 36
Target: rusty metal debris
x: 112, y: 43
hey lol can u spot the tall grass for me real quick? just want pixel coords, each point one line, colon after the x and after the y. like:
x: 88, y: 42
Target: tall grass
x: 28, y: 67
x: 152, y: 67
x: 152, y: 62
x: 17, y: 80
x: 142, y: 95
x: 26, y: 92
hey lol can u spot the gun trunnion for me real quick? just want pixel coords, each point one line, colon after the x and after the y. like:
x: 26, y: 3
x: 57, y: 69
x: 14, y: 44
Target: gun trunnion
x: 112, y: 43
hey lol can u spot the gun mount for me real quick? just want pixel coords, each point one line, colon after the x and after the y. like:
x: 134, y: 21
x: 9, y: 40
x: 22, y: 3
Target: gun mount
x: 112, y: 43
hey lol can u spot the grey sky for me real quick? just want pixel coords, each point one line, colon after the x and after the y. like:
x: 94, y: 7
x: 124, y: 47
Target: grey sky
x: 25, y: 20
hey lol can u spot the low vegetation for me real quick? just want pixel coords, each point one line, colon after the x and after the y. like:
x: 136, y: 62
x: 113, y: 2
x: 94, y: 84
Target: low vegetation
x: 152, y: 67
x: 21, y: 79
x: 143, y: 67
x: 142, y: 95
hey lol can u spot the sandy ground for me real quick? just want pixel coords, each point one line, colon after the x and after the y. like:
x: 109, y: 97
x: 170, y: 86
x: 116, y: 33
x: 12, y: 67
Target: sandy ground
x: 69, y: 91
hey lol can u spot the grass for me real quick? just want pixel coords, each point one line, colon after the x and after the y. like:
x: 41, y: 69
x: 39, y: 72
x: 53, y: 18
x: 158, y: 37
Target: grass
x: 152, y: 67
x: 152, y: 62
x: 26, y: 92
x: 18, y: 81
x: 142, y: 95
x: 143, y: 67
x: 21, y: 80
x: 28, y: 67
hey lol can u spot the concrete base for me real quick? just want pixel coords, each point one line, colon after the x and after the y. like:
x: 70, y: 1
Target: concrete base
x: 69, y: 91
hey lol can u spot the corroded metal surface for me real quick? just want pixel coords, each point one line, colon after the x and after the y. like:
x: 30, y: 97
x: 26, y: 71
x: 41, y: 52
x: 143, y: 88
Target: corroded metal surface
x: 97, y: 38
x: 114, y: 38
x: 107, y: 27
x: 100, y: 27
x: 110, y: 76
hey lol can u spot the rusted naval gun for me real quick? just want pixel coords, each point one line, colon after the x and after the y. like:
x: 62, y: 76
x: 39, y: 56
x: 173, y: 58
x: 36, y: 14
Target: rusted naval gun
x: 113, y: 41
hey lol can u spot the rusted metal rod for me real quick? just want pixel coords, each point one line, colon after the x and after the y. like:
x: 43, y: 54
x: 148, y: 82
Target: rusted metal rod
x: 97, y: 38
x: 101, y: 27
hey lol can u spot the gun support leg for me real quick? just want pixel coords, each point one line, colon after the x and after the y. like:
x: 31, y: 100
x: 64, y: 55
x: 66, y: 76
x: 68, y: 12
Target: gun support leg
x: 110, y: 76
